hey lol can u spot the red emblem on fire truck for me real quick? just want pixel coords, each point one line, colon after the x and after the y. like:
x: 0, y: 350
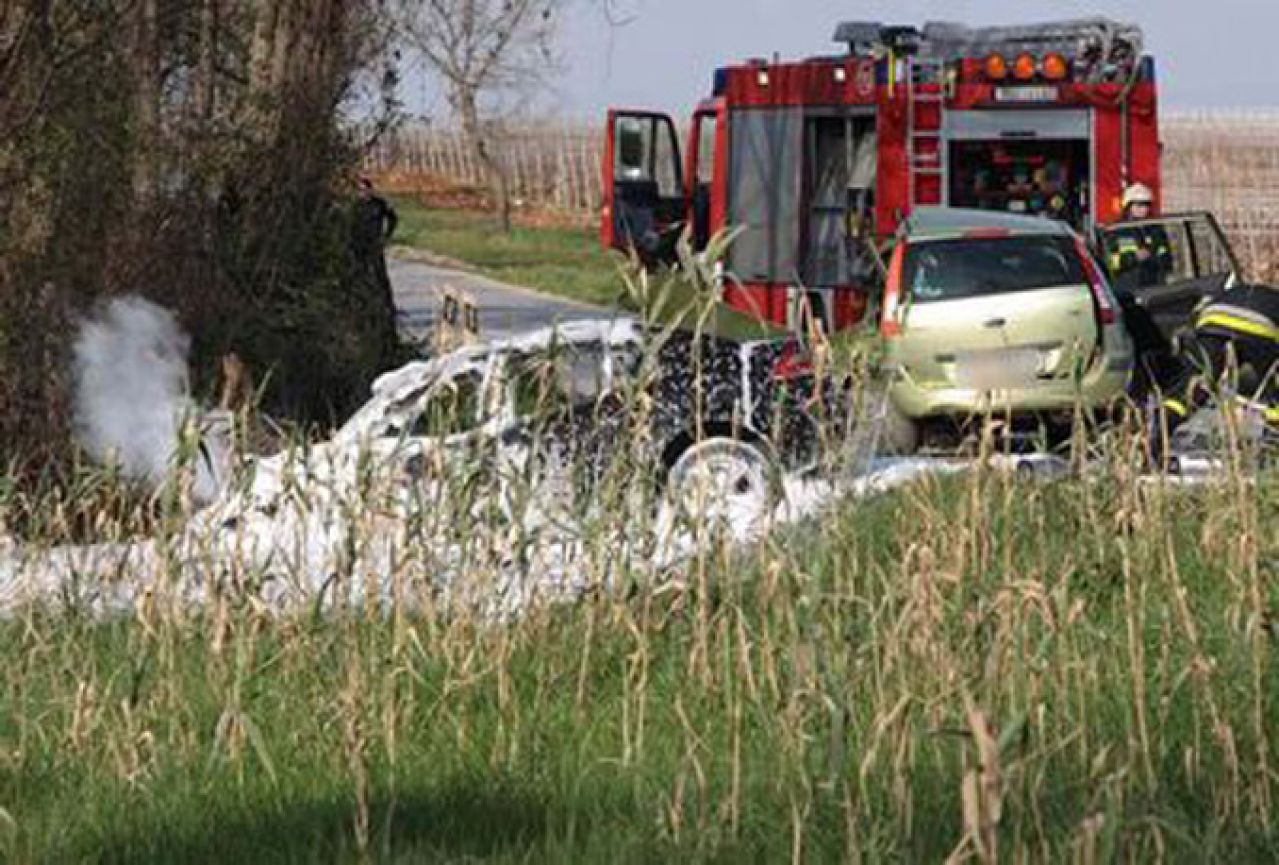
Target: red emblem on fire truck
x: 865, y: 80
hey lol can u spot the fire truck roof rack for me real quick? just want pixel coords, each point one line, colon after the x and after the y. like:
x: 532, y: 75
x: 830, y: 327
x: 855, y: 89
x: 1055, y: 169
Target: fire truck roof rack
x: 1087, y: 38
x: 1066, y: 37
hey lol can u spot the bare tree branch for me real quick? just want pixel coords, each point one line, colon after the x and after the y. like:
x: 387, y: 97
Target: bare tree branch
x: 477, y: 48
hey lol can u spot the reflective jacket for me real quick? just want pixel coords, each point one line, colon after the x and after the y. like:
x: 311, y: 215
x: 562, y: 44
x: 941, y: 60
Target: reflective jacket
x: 1125, y: 259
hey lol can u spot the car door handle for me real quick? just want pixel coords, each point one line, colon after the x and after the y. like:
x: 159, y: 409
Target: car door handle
x: 995, y: 322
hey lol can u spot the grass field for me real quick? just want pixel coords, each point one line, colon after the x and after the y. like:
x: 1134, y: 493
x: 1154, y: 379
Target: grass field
x: 985, y: 666
x: 1011, y: 670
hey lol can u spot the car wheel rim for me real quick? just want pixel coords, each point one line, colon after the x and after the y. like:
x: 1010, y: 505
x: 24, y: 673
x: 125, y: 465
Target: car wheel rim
x: 722, y: 485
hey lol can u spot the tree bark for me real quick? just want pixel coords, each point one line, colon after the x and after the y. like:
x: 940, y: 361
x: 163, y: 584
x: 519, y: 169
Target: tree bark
x: 206, y: 85
x: 283, y: 44
x: 494, y: 171
x: 260, y: 54
x: 146, y: 99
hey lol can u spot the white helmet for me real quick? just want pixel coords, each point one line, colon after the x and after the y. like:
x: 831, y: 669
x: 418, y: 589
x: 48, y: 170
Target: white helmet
x: 1138, y: 193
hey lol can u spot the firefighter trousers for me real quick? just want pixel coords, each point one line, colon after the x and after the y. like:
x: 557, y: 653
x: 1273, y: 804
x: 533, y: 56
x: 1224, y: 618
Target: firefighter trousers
x: 1211, y: 354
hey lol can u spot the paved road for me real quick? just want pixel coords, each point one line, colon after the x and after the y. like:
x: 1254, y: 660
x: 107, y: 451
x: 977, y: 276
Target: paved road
x: 503, y: 309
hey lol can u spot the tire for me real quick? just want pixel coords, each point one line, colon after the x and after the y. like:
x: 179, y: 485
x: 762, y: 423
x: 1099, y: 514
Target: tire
x: 724, y: 480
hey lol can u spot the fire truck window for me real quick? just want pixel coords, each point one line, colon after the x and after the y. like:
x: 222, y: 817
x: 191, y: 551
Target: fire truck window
x: 861, y: 200
x: 827, y: 160
x: 764, y: 193
x: 705, y: 149
x: 634, y: 142
x: 865, y: 159
x: 700, y: 203
x: 826, y: 190
x: 666, y: 162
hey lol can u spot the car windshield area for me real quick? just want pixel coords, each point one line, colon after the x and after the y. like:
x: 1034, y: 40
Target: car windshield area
x: 555, y: 380
x: 977, y: 267
x: 452, y: 407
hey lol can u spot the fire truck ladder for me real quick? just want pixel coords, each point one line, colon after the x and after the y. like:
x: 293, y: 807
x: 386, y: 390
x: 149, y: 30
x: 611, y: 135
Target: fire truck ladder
x: 925, y: 105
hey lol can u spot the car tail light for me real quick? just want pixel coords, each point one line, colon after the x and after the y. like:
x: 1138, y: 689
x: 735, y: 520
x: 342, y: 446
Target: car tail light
x: 1106, y: 313
x: 792, y: 363
x: 1025, y: 67
x: 996, y: 67
x: 889, y: 326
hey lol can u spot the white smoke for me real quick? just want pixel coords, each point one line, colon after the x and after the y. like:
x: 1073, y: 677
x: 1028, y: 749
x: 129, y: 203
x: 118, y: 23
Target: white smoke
x: 132, y: 396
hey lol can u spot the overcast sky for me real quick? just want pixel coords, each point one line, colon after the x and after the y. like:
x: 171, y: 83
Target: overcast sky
x: 1211, y: 53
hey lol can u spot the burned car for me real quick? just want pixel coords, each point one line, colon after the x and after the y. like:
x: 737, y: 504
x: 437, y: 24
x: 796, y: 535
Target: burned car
x: 572, y: 394
x: 667, y: 415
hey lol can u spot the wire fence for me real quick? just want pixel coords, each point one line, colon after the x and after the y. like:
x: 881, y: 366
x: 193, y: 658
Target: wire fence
x: 1225, y: 161
x: 554, y: 165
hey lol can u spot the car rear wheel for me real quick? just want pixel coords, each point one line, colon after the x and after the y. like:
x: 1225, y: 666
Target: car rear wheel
x: 724, y: 481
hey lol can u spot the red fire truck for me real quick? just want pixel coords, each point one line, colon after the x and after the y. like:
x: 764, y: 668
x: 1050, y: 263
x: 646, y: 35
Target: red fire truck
x: 814, y: 163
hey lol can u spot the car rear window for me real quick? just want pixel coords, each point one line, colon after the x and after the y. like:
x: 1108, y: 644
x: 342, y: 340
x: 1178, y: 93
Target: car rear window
x: 976, y: 267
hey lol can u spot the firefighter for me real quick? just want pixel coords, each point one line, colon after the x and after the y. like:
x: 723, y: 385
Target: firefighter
x: 1140, y: 256
x: 1239, y: 326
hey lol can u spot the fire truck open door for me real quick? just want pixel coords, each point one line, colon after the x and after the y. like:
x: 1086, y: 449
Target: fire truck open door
x: 644, y: 202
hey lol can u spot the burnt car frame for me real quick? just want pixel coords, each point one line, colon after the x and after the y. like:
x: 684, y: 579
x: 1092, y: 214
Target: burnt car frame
x: 682, y: 405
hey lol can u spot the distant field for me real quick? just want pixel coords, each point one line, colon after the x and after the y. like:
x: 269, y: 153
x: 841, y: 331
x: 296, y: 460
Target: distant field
x: 1229, y: 163
x: 1226, y: 162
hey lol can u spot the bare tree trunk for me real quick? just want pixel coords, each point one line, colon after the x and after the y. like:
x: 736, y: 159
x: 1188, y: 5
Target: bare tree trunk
x: 260, y: 58
x: 494, y: 171
x: 146, y: 99
x: 283, y: 44
x: 206, y: 85
x: 327, y: 45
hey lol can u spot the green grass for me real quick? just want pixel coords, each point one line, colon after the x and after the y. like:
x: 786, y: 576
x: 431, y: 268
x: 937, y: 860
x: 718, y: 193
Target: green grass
x: 566, y: 262
x: 815, y: 696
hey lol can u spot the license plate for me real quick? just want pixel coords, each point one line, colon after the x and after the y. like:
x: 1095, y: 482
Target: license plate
x: 998, y: 370
x: 1022, y: 95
